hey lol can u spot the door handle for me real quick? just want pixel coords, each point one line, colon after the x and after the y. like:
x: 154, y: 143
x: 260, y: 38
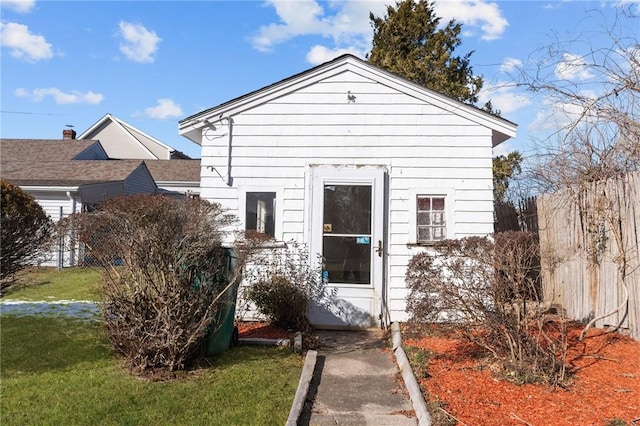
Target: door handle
x: 379, y: 248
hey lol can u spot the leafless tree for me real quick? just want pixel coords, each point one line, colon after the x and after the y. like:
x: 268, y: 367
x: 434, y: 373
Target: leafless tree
x: 593, y: 105
x: 593, y: 101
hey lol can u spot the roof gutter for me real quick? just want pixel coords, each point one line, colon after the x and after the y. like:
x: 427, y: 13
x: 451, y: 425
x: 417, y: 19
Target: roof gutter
x: 66, y: 189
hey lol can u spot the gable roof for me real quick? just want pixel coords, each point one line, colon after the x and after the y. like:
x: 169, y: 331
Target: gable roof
x: 37, y: 150
x: 68, y: 173
x: 146, y: 145
x: 191, y: 127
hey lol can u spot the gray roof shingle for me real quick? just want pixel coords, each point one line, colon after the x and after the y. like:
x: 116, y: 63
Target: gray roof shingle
x: 41, y: 150
x: 174, y: 170
x: 67, y: 173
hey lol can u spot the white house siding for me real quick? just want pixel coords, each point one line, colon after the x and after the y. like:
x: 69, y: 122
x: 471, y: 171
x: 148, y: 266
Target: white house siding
x: 118, y: 144
x: 422, y: 146
x: 161, y: 152
x: 57, y: 204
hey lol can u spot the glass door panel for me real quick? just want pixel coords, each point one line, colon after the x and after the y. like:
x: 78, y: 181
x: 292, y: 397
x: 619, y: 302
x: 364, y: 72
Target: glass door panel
x: 347, y: 234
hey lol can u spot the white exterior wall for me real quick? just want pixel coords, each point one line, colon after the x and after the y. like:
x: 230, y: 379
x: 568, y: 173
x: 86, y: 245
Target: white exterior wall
x: 57, y: 205
x: 424, y: 148
x: 118, y: 144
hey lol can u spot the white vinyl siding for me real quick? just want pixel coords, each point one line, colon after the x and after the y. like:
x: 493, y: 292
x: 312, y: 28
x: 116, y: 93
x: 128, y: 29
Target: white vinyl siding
x: 423, y: 147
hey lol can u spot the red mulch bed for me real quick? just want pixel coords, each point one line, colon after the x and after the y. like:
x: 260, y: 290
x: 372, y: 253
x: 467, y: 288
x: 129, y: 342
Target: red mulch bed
x: 605, y: 386
x: 262, y: 330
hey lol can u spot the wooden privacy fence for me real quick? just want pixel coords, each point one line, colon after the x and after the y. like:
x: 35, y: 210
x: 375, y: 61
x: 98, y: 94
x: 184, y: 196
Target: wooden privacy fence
x: 508, y: 218
x: 590, y: 256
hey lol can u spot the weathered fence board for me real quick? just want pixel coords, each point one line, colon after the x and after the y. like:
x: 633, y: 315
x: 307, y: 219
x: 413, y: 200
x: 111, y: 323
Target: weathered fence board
x: 590, y: 256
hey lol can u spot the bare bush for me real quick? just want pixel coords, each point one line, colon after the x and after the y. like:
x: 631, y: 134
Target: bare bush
x: 165, y: 272
x: 26, y: 232
x: 284, y: 284
x: 491, y: 291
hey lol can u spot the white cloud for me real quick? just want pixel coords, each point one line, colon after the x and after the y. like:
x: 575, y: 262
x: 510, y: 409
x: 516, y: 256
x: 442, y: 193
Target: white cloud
x: 165, y: 108
x: 504, y: 97
x: 20, y: 6
x: 347, y: 23
x: 138, y: 43
x: 510, y: 65
x: 503, y: 149
x: 320, y: 54
x: 472, y: 14
x: 60, y: 97
x: 556, y: 114
x: 23, y: 44
x: 573, y: 67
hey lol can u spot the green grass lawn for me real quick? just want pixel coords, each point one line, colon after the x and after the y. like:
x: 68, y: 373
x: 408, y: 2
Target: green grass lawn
x: 60, y: 371
x: 50, y: 284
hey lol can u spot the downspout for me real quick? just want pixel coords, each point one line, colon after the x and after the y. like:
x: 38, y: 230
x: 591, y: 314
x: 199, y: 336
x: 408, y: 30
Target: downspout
x: 227, y: 178
x: 226, y: 175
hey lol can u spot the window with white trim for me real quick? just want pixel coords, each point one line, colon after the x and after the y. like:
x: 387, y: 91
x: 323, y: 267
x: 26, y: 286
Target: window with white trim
x: 260, y: 212
x: 431, y: 220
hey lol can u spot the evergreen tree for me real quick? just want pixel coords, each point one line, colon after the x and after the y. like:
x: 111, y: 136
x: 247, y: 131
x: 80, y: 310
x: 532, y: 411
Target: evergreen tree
x: 408, y: 43
x: 505, y: 169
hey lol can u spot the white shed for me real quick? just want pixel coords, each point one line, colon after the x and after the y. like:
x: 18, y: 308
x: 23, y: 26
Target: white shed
x: 364, y: 167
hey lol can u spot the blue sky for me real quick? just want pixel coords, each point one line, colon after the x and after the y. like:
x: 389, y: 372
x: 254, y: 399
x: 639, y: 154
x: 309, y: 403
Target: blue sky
x: 152, y: 63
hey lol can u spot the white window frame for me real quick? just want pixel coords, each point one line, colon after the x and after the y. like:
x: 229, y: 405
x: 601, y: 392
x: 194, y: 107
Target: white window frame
x: 447, y: 194
x: 277, y: 214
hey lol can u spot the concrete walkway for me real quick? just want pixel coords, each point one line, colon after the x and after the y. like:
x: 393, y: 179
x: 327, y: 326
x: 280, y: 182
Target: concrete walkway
x: 356, y: 382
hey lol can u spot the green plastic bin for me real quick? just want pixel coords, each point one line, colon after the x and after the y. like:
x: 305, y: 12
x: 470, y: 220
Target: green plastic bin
x: 223, y: 330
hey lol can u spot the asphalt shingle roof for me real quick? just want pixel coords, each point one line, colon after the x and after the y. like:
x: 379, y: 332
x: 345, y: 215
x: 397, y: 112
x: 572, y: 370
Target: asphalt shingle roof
x: 41, y: 150
x: 67, y: 173
x: 174, y: 170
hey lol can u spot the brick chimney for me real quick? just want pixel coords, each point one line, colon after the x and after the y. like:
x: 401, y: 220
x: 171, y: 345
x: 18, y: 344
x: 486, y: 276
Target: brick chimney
x: 68, y: 134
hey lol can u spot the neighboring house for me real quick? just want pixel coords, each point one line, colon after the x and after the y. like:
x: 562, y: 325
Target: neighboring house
x: 176, y: 177
x: 123, y: 141
x: 365, y: 167
x: 67, y: 176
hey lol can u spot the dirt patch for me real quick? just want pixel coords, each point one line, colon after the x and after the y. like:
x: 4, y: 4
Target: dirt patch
x: 604, y: 388
x: 263, y: 330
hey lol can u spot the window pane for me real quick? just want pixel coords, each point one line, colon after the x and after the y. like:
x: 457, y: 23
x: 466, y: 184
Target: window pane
x: 438, y: 233
x: 347, y: 209
x: 424, y: 234
x: 347, y: 259
x: 431, y: 219
x: 260, y: 212
x: 424, y: 203
x: 424, y: 218
x: 438, y: 203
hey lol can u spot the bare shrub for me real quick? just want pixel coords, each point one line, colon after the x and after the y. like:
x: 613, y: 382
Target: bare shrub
x: 25, y: 229
x: 165, y: 272
x: 284, y: 284
x: 491, y: 291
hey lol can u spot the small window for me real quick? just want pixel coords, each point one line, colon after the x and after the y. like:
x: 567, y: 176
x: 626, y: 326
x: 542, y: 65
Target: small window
x: 260, y: 213
x: 431, y: 220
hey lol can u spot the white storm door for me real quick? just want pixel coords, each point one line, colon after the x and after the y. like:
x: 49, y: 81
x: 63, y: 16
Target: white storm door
x: 347, y: 224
